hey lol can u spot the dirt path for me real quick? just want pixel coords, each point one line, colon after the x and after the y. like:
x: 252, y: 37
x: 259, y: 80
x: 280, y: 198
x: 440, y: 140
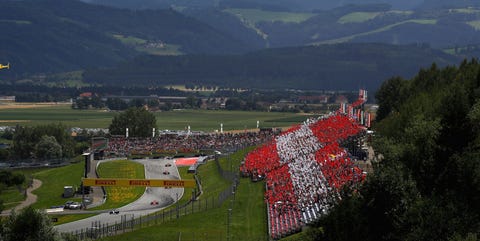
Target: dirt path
x: 31, y: 198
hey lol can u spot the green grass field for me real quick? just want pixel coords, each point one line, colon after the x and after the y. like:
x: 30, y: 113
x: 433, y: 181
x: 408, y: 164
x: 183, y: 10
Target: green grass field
x: 120, y: 196
x: 475, y: 24
x: 138, y: 44
x: 360, y: 17
x: 53, y: 180
x: 198, y: 120
x: 357, y: 17
x: 465, y: 10
x: 254, y: 15
x: 382, y: 29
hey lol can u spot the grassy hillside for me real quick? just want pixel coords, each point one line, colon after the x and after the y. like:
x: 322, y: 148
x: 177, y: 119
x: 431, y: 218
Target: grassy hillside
x: 374, y: 23
x: 379, y: 30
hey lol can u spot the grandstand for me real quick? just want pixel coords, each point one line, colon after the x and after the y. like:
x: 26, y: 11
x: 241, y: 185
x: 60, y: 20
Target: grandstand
x: 305, y: 168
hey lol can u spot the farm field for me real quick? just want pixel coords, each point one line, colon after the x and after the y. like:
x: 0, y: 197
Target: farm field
x: 198, y: 120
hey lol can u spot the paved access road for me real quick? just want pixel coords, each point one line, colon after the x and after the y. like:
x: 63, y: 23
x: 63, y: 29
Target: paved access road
x: 154, y: 169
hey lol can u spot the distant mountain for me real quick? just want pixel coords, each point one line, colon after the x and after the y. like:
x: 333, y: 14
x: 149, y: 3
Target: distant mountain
x: 440, y: 28
x: 43, y: 36
x: 228, y: 24
x: 309, y: 5
x: 436, y: 4
x: 326, y: 67
x: 277, y: 5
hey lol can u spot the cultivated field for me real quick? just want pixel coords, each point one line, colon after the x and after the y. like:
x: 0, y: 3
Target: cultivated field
x: 198, y: 120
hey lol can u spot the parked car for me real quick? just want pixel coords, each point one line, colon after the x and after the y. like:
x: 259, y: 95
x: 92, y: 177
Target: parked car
x: 72, y: 205
x: 114, y: 211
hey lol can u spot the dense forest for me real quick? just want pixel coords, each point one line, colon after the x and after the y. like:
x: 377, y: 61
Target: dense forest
x: 426, y: 185
x: 326, y: 67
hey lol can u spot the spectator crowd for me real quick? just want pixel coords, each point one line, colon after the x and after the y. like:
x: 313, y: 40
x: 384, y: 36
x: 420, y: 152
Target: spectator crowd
x: 185, y: 142
x: 305, y: 168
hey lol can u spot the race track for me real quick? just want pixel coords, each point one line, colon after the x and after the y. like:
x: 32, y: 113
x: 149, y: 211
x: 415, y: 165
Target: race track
x: 154, y: 169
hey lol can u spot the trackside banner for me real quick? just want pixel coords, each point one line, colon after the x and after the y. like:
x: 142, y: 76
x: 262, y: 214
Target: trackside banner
x: 124, y: 182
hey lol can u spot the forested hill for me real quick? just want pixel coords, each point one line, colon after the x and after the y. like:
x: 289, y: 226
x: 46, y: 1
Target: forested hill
x: 331, y: 67
x: 427, y: 185
x: 41, y: 36
x: 284, y: 5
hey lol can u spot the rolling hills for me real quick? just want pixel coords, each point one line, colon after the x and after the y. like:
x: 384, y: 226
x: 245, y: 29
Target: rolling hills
x: 45, y: 36
x: 50, y: 36
x: 347, y: 66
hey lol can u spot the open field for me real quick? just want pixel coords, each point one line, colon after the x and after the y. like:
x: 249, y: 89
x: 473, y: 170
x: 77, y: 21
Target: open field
x: 254, y: 15
x: 360, y: 17
x: 140, y: 45
x: 16, y: 105
x: 385, y: 28
x: 357, y: 17
x: 202, y: 120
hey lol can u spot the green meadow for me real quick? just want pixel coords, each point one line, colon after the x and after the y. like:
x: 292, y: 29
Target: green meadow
x: 120, y: 196
x: 475, y: 24
x: 360, y: 17
x: 382, y: 29
x: 254, y: 15
x: 53, y: 181
x: 198, y: 120
x: 357, y: 17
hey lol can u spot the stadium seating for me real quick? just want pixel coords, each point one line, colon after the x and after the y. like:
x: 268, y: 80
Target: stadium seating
x: 305, y: 168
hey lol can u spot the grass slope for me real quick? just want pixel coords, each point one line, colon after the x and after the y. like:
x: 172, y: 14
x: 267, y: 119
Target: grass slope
x: 382, y: 29
x: 53, y: 181
x: 248, y: 215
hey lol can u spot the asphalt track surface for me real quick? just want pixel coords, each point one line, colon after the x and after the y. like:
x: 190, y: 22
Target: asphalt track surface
x: 154, y: 169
